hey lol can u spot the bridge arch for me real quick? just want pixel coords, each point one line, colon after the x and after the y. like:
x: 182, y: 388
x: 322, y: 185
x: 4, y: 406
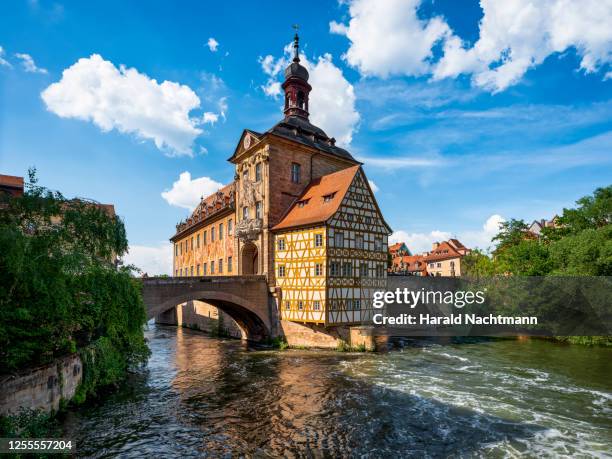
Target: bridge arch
x: 244, y: 298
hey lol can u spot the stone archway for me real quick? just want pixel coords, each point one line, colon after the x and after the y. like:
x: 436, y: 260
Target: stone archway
x: 249, y: 259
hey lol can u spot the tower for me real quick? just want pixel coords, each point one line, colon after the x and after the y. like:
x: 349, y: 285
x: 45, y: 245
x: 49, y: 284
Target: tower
x: 296, y: 85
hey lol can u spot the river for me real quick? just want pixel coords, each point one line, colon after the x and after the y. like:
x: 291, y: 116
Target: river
x: 207, y: 397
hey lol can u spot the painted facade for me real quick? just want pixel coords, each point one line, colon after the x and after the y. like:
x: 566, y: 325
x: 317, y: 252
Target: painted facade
x: 277, y: 233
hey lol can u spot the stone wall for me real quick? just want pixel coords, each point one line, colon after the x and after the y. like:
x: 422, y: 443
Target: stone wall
x: 311, y: 335
x: 202, y: 316
x: 42, y: 387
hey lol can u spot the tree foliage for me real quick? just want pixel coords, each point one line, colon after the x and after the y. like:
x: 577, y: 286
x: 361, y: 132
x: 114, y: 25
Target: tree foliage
x: 60, y: 290
x: 580, y: 244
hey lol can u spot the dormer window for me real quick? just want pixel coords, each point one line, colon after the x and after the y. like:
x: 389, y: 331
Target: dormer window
x: 303, y: 202
x: 329, y: 197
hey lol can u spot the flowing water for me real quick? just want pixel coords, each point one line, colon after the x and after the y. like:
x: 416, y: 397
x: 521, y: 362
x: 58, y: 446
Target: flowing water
x: 207, y: 397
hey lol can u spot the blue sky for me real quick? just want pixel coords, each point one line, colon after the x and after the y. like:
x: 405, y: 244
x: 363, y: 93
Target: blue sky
x: 461, y: 111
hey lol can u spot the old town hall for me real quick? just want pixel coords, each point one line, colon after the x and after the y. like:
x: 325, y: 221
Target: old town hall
x: 300, y: 211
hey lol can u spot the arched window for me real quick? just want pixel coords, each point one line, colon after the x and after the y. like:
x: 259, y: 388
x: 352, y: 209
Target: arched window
x: 300, y: 99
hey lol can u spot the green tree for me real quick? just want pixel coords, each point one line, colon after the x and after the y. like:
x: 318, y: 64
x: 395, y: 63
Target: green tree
x: 60, y: 290
x: 510, y: 234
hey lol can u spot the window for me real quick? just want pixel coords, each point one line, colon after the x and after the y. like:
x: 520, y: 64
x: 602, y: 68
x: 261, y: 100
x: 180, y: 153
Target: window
x: 181, y: 272
x: 359, y: 241
x: 191, y: 274
x: 316, y: 305
x: 452, y: 264
x: 204, y: 269
x: 318, y: 269
x: 300, y: 305
x: 220, y: 265
x: 212, y: 267
x: 198, y: 269
x: 439, y: 265
x: 334, y: 269
x: 198, y: 240
x: 287, y: 305
x: 230, y: 227
x: 257, y: 172
x: 329, y: 197
x: 229, y: 264
x: 339, y: 239
x: 368, y: 220
x: 348, y: 304
x: 258, y: 209
x: 347, y: 269
x: 191, y: 242
x: 295, y: 172
x: 318, y: 240
x: 245, y: 212
x: 220, y: 231
x: 431, y: 265
x: 380, y: 271
x: 356, y: 305
x: 281, y: 271
x: 212, y: 234
x: 378, y: 244
x: 303, y: 202
x: 204, y: 238
x: 349, y: 217
x: 281, y: 244
x: 176, y: 273
x: 363, y: 270
x: 245, y: 175
x: 181, y: 244
x: 175, y: 250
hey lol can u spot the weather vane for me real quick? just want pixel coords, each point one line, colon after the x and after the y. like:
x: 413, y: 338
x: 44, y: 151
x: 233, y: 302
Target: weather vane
x: 295, y: 27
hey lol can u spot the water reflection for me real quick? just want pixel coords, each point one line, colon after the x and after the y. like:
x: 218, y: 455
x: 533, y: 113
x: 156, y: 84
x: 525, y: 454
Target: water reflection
x: 208, y: 397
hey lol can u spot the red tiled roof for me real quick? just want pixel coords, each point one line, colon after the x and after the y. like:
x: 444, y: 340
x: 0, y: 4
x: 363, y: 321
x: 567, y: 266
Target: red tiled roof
x: 444, y: 251
x: 11, y: 181
x: 215, y: 201
x: 315, y: 209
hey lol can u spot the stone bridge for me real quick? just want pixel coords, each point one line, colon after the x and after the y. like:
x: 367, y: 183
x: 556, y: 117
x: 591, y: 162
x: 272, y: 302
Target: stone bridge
x: 246, y: 299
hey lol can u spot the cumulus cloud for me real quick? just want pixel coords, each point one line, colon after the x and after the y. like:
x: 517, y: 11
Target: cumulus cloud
x: 514, y: 37
x: 479, y: 238
x: 332, y: 99
x: 210, y: 118
x: 153, y: 260
x: 212, y: 44
x: 28, y: 64
x: 124, y: 99
x: 388, y: 38
x: 186, y: 192
x: 4, y: 62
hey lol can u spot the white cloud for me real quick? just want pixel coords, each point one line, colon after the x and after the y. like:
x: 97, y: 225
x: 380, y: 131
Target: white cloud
x: 212, y: 44
x: 93, y: 89
x: 28, y: 64
x: 516, y: 36
x: 210, y: 117
x: 373, y: 186
x: 151, y: 260
x: 422, y: 242
x: 332, y: 99
x: 4, y: 62
x: 186, y: 192
x: 388, y: 38
x: 419, y: 242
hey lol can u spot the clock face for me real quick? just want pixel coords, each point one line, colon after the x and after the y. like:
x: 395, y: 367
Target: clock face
x: 247, y: 142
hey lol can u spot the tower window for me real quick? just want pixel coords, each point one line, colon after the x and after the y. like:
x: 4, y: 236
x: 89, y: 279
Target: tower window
x: 300, y: 99
x: 245, y: 212
x: 258, y: 209
x: 230, y: 227
x: 295, y: 172
x: 229, y: 264
x: 257, y: 172
x: 220, y: 231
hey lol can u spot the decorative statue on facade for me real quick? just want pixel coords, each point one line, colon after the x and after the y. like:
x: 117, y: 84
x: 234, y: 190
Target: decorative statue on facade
x: 248, y: 229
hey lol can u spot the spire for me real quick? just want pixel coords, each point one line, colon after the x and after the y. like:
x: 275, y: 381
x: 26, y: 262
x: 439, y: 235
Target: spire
x: 296, y: 45
x: 296, y: 85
